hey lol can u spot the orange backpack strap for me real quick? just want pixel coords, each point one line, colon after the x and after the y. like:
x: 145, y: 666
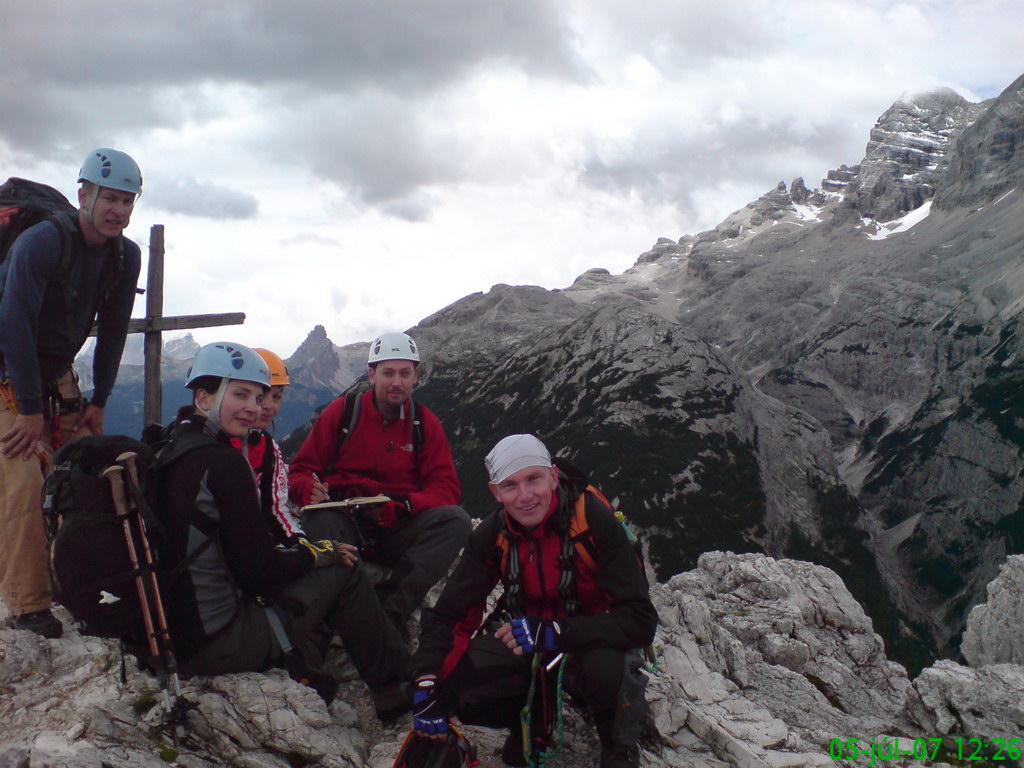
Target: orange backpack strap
x: 502, y: 544
x: 579, y: 528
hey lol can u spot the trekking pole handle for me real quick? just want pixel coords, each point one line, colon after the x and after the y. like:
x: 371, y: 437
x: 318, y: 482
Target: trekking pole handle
x: 115, y: 474
x: 127, y: 460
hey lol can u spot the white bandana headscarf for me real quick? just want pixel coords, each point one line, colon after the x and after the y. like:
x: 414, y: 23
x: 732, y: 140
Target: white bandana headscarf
x: 514, y: 453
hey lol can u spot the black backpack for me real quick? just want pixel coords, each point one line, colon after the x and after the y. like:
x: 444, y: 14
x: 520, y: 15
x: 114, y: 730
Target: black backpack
x: 24, y: 204
x: 91, y: 570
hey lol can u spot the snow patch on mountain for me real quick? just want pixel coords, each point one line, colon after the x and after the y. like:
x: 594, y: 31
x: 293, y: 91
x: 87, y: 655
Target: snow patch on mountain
x: 907, y: 222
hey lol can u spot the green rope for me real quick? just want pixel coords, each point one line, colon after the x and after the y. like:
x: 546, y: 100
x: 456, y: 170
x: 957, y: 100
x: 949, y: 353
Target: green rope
x: 525, y: 715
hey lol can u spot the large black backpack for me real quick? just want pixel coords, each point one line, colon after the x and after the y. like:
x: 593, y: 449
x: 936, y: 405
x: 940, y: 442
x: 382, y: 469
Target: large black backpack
x: 90, y: 566
x: 91, y: 573
x: 24, y: 204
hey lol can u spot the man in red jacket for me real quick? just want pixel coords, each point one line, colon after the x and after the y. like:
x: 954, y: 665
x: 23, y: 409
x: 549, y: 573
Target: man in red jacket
x: 389, y: 446
x: 560, y: 610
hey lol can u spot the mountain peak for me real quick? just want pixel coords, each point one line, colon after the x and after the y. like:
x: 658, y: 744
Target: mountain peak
x: 907, y: 153
x: 986, y: 160
x: 319, y: 333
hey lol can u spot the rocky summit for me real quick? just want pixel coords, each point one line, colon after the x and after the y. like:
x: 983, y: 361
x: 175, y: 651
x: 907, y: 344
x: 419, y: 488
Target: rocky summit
x: 763, y: 663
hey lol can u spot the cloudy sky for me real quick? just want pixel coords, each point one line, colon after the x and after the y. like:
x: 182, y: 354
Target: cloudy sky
x: 361, y: 164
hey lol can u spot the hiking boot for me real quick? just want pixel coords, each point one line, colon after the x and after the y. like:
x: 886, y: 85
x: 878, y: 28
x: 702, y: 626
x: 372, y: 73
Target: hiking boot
x: 41, y: 622
x: 620, y: 757
x: 319, y: 680
x: 391, y: 703
x: 512, y: 750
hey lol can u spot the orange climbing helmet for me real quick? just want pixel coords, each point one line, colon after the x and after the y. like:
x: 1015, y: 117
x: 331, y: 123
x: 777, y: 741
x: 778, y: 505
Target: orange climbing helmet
x: 278, y: 370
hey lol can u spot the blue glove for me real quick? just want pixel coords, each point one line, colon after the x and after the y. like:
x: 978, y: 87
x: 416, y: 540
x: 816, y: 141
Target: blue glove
x: 536, y: 634
x: 429, y: 715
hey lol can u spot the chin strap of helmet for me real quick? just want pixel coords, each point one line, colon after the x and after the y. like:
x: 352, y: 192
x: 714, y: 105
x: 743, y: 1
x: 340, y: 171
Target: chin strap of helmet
x: 213, y: 414
x: 90, y: 207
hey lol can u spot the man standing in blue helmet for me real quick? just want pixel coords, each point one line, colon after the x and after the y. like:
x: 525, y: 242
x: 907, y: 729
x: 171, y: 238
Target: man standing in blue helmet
x: 50, y: 296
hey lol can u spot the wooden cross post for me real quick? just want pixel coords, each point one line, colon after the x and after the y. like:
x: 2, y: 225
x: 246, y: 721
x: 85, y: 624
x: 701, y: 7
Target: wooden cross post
x: 155, y: 323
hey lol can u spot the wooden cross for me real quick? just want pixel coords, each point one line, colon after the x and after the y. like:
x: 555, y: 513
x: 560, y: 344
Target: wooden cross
x: 154, y: 323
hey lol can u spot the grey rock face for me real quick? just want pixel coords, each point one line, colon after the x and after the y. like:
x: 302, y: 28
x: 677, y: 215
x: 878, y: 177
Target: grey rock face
x: 787, y: 637
x: 985, y: 703
x: 907, y: 153
x: 63, y: 705
x: 993, y: 634
x: 987, y: 159
x: 319, y: 364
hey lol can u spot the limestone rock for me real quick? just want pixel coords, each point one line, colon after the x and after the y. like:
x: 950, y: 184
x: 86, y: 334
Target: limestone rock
x: 993, y: 633
x: 987, y: 160
x: 980, y: 703
x: 763, y: 663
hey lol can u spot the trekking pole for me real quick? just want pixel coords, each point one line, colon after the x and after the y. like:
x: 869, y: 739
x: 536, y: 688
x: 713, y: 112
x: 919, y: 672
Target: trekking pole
x: 127, y: 460
x: 115, y: 474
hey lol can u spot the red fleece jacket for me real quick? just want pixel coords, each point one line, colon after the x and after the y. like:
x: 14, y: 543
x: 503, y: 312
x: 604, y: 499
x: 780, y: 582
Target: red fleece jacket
x: 377, y: 458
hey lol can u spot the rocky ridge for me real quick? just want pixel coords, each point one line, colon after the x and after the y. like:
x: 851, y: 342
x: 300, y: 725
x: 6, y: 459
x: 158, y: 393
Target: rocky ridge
x: 763, y: 663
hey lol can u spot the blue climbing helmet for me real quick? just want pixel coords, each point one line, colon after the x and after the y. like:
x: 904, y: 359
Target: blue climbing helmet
x: 227, y: 360
x: 113, y: 169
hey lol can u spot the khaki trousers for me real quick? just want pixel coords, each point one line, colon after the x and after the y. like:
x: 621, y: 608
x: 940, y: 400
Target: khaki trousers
x: 24, y: 576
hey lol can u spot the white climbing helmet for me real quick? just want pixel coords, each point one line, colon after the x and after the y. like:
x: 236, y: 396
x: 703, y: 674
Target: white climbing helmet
x: 393, y: 346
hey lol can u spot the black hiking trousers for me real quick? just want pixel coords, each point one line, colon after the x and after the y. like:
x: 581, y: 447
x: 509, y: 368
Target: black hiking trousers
x: 490, y: 684
x: 338, y: 597
x: 419, y: 550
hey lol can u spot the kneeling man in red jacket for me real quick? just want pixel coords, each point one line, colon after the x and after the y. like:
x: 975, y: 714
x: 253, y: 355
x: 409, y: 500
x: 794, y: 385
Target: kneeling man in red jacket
x: 575, y: 594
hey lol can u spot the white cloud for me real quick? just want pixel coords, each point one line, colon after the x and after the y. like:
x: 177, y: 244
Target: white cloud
x: 360, y: 165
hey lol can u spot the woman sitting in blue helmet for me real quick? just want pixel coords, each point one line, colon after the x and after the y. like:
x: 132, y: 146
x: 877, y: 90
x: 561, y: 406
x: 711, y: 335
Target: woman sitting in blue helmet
x: 242, y: 602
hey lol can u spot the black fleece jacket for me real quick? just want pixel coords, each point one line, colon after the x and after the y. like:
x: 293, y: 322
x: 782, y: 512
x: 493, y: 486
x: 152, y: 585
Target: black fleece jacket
x: 209, y: 492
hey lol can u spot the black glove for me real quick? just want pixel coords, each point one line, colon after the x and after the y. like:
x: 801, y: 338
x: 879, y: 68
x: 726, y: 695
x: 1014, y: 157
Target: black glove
x: 326, y: 552
x: 533, y: 633
x: 429, y: 714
